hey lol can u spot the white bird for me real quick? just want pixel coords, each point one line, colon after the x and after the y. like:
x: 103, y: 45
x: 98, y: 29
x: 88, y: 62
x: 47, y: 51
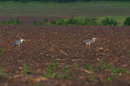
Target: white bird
x: 18, y: 42
x: 89, y: 41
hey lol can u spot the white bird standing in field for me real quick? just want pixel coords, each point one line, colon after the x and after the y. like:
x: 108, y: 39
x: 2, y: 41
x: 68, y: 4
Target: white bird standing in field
x: 18, y: 42
x: 89, y: 41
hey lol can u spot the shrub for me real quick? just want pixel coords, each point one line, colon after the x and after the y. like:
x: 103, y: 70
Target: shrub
x: 37, y: 23
x: 73, y: 21
x: 127, y: 21
x: 109, y: 21
x: 53, y: 22
x: 61, y: 22
x: 11, y: 21
x: 14, y: 22
x: 90, y: 21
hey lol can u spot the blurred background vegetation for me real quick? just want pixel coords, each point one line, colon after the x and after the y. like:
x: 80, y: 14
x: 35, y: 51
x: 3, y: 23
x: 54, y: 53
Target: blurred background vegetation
x: 60, y: 0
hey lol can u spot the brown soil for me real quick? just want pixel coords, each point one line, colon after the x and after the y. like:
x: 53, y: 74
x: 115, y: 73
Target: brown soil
x: 65, y: 43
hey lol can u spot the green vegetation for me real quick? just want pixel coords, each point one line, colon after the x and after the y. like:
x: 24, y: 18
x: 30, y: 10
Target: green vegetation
x: 11, y: 22
x: 52, y: 69
x: 1, y: 51
x: 26, y: 69
x: 109, y: 21
x: 2, y: 72
x: 92, y: 77
x: 60, y: 0
x: 104, y: 66
x: 127, y: 21
x: 77, y: 66
x: 114, y: 72
x: 90, y: 68
x: 88, y: 21
x: 54, y: 73
x: 50, y: 9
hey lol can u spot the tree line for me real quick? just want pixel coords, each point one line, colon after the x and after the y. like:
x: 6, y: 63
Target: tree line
x: 58, y: 0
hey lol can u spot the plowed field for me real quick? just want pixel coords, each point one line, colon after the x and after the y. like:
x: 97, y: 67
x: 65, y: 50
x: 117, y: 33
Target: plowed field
x: 64, y: 43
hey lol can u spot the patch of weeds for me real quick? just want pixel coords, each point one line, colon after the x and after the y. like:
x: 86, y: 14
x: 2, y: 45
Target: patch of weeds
x: 109, y: 21
x: 116, y: 73
x: 90, y: 21
x: 53, y: 22
x: 52, y: 69
x: 112, y: 77
x: 1, y: 51
x: 77, y: 66
x: 37, y: 23
x: 26, y: 69
x: 65, y: 73
x: 2, y: 73
x: 14, y: 22
x: 104, y: 66
x: 90, y: 68
x: 92, y: 77
x: 127, y: 21
x: 11, y: 22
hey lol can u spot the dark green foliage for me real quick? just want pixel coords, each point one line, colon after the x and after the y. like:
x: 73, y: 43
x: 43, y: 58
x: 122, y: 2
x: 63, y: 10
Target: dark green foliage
x: 37, y: 23
x: 109, y: 21
x: 127, y: 21
x: 90, y: 21
x: 52, y: 69
x: 26, y: 69
x: 11, y: 21
x: 77, y: 21
x: 72, y: 21
x: 61, y: 22
x: 14, y: 22
x: 1, y: 51
x: 53, y: 22
x: 90, y: 68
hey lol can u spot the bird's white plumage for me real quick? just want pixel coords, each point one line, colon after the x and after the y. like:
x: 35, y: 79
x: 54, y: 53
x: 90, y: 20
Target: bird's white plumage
x: 18, y: 42
x: 89, y: 41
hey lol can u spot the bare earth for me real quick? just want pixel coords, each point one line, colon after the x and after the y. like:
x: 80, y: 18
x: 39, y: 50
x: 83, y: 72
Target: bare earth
x: 65, y: 43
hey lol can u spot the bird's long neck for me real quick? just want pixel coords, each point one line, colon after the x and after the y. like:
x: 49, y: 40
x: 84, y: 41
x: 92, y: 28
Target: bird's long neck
x: 93, y: 40
x: 21, y: 41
